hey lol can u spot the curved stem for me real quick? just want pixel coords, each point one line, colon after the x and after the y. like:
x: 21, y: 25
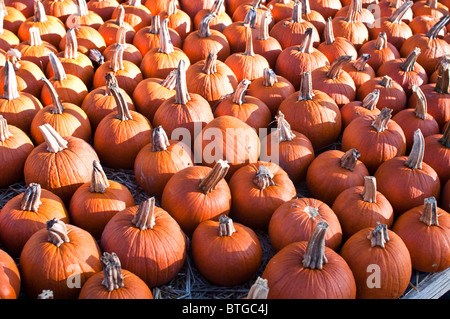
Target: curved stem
x: 329, y: 32
x: 112, y: 271
x: 210, y: 66
x: 297, y: 12
x: 360, y: 63
x: 432, y: 3
x: 421, y: 102
x: 165, y: 44
x: 96, y: 56
x: 58, y: 107
x: 121, y: 36
x: 120, y: 15
x: 14, y: 56
x: 259, y: 290
x: 160, y: 141
x: 430, y: 215
x: 250, y: 17
x: 170, y: 81
x: 249, y: 42
x: 433, y: 33
x: 55, y: 143
x: 116, y: 62
x: 71, y: 48
x: 307, y: 44
x: 445, y: 139
x: 380, y: 123
x: 415, y: 158
x: 443, y: 79
x: 263, y: 178
x: 218, y: 172
x: 379, y: 236
x: 226, y: 227
x: 336, y: 66
x: 371, y: 100
x: 217, y: 6
x: 39, y: 12
x: 284, y: 129
x: 269, y: 77
x: 369, y: 193
x: 4, y: 131
x: 381, y: 41
x: 10, y: 90
x: 353, y: 9
x: 156, y: 24
x: 182, y: 95
x: 46, y: 294
x: 145, y: 215
x: 31, y: 200
x: 306, y: 90
x: 35, y: 37
x: 57, y: 232
x: 99, y: 181
x: 410, y: 61
x: 110, y: 80
x: 264, y: 24
x: 59, y: 74
x: 123, y: 113
x: 171, y: 7
x: 203, y: 29
x: 238, y: 96
x: 386, y: 81
x: 349, y: 159
x: 397, y: 15
x: 314, y: 257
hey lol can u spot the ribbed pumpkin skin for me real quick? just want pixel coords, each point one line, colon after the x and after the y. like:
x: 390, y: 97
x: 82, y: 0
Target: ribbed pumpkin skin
x: 134, y: 288
x: 226, y: 260
x: 17, y: 225
x: 287, y: 279
x: 157, y: 64
x: 43, y: 265
x: 28, y: 78
x: 20, y: 112
x: 393, y: 260
x: 9, y: 277
x: 155, y: 255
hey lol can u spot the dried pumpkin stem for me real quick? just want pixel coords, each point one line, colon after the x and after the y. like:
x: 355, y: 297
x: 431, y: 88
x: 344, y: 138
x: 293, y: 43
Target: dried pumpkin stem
x: 218, y: 172
x: 217, y: 6
x: 14, y: 56
x: 415, y: 158
x: 204, y: 30
x: 121, y: 36
x: 71, y: 48
x: 182, y: 95
x: 259, y: 290
x: 432, y: 3
x: 269, y: 77
x: 46, y: 294
x: 433, y: 33
x: 263, y: 178
x: 210, y: 66
x: 369, y: 193
x: 156, y: 24
x: 353, y: 10
x: 421, y: 102
x: 329, y: 32
x: 238, y: 96
x: 381, y: 42
x: 145, y: 215
x: 250, y: 18
x: 96, y: 56
x: 160, y: 140
x: 110, y: 78
x: 306, y: 91
x: 264, y: 25
x: 307, y: 44
x: 410, y: 61
x: 55, y: 143
x: 314, y: 257
x: 10, y: 90
x: 336, y: 66
x: 58, y: 68
x: 35, y: 37
x: 379, y: 236
x: 349, y: 159
x: 116, y: 62
x: 226, y: 226
x: 165, y: 43
x: 371, y: 100
x: 83, y: 10
x: 99, y: 180
x: 306, y: 7
x: 58, y: 107
x: 120, y: 15
x: 57, y: 232
x: 249, y: 42
x: 443, y: 79
x: 430, y: 213
x: 380, y: 123
x: 123, y: 113
x: 445, y: 139
x: 4, y: 131
x: 395, y: 3
x: 136, y: 3
x: 397, y: 15
x: 386, y: 81
x: 39, y: 12
x: 112, y: 271
x: 284, y: 131
x: 31, y: 200
x: 171, y: 7
x: 361, y: 62
x: 170, y: 81
x: 297, y: 12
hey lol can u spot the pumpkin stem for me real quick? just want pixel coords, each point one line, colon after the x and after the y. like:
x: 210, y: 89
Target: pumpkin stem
x: 10, y: 91
x: 371, y: 100
x: 182, y: 95
x: 171, y: 7
x: 284, y: 129
x: 71, y: 48
x: 112, y: 271
x: 136, y: 3
x: 329, y: 32
x: 432, y: 3
x: 314, y: 257
x: 96, y: 56
x: 443, y: 79
x: 379, y: 236
x: 4, y: 132
x: 83, y: 10
x: 380, y: 123
x: 160, y: 141
x: 239, y: 95
x: 217, y: 6
x: 14, y: 56
x: 429, y: 214
x: 360, y: 63
x: 218, y: 172
x: 203, y: 29
x: 35, y: 37
x: 249, y: 42
x: 410, y: 61
x: 445, y: 139
x: 386, y: 81
x: 120, y: 15
x: 31, y: 200
x: 58, y: 68
x: 121, y: 36
x: 433, y: 33
x: 39, y: 12
x: 55, y: 143
x: 399, y: 13
x: 226, y: 227
x: 395, y: 3
x: 306, y: 7
x: 170, y: 81
x: 306, y: 91
x: 46, y: 294
x: 263, y: 178
x: 353, y: 9
x: 259, y: 290
x: 421, y: 102
x: 123, y: 113
x: 99, y: 181
x: 145, y: 215
x: 264, y: 24
x: 369, y: 193
x: 336, y: 66
x: 307, y: 44
x: 116, y: 62
x: 349, y: 159
x: 250, y: 18
x: 58, y: 107
x: 415, y: 158
x: 297, y: 12
x: 381, y: 41
x: 156, y: 24
x: 110, y: 78
x: 210, y: 66
x: 269, y: 77
x: 165, y: 43
x: 57, y: 232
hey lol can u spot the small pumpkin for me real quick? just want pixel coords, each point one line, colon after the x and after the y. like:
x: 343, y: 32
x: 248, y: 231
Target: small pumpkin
x: 437, y: 154
x: 359, y: 70
x: 130, y: 53
x: 281, y: 9
x: 60, y: 9
x: 327, y: 8
x: 432, y: 8
x: 8, y: 39
x: 136, y: 14
x: 241, y: 11
x: 178, y: 19
x: 26, y: 7
x: 355, y: 109
x: 219, y: 21
x: 109, y: 28
x: 104, y: 8
x: 380, y: 50
x: 236, y: 32
x: 88, y: 39
x: 84, y: 16
x: 9, y: 277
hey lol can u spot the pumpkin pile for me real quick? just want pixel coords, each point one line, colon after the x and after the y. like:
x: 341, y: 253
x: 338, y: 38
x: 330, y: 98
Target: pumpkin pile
x: 320, y: 124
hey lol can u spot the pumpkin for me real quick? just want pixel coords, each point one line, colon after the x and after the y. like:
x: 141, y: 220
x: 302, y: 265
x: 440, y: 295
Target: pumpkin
x: 104, y: 8
x: 360, y: 207
x: 437, y: 154
x: 84, y: 16
x: 60, y: 165
x: 66, y: 118
x: 60, y: 257
x: 281, y: 9
x: 100, y: 102
x: 327, y: 8
x: 191, y: 7
x: 242, y: 10
x: 8, y: 39
x: 184, y: 113
x: 423, y: 24
x: 363, y: 11
x: 377, y: 245
x: 332, y: 172
x: 114, y: 282
x: 231, y: 5
x: 157, y: 6
x: 94, y: 203
x: 309, y: 270
x: 295, y: 60
x: 226, y: 253
x: 271, y: 88
x: 211, y: 78
x: 425, y: 230
x: 380, y: 50
x: 388, y: 7
x: 198, y: 44
x: 234, y: 141
x: 15, y: 146
x: 159, y: 160
x: 219, y: 21
x: 136, y: 14
x: 355, y: 109
x: 26, y: 213
x: 445, y: 202
x: 359, y: 70
x: 148, y: 242
x: 314, y: 17
x: 292, y: 150
x: 130, y: 53
x: 391, y: 96
x: 9, y: 277
x: 122, y: 132
x: 236, y: 32
x: 406, y: 180
x: 26, y: 7
x: 88, y: 39
x: 429, y: 7
x: 264, y: 185
x: 378, y: 138
x: 295, y: 219
x: 178, y: 20
x: 18, y: 108
x: 196, y: 194
x: 291, y: 31
x: 60, y: 9
x: 333, y: 47
x: 109, y: 28
x: 312, y: 113
x: 159, y: 61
